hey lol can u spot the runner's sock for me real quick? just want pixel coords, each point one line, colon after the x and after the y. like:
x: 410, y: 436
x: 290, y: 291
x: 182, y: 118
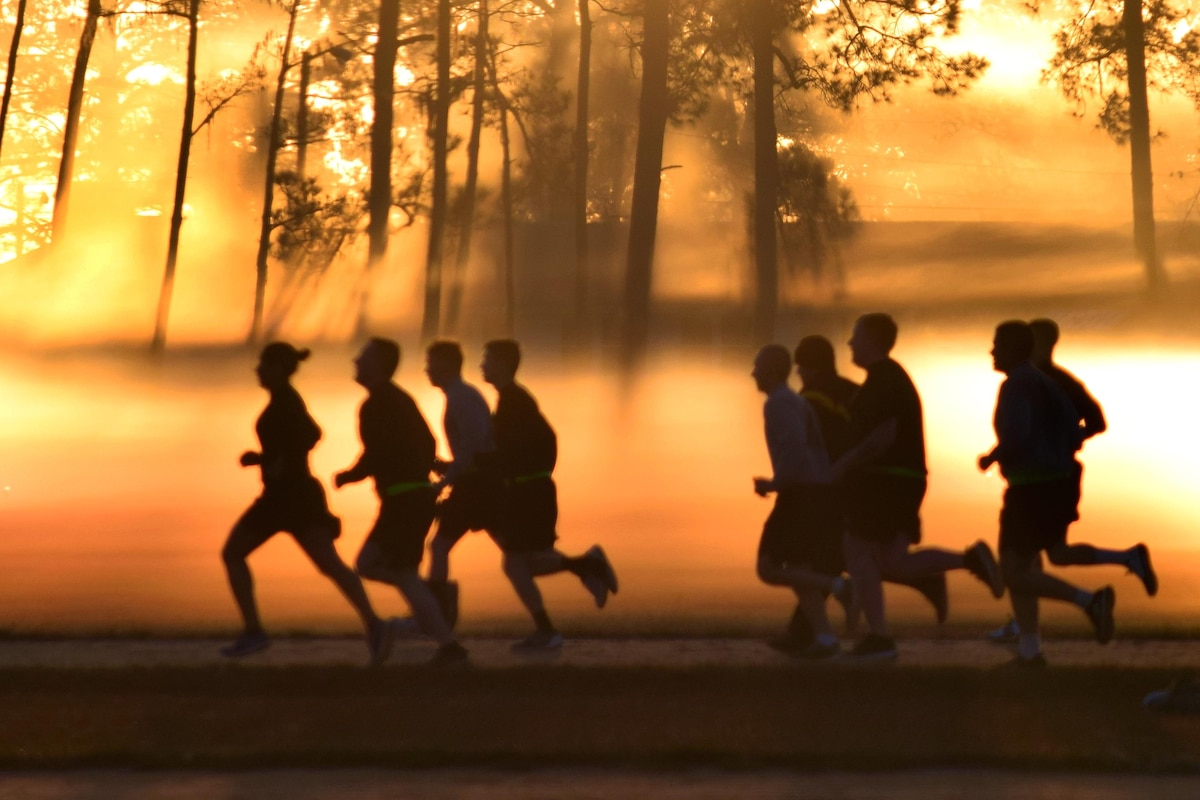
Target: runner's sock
x: 1083, y: 598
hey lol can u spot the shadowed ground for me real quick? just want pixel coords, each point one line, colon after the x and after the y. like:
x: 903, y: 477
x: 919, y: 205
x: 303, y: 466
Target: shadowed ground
x: 590, y: 784
x: 603, y: 703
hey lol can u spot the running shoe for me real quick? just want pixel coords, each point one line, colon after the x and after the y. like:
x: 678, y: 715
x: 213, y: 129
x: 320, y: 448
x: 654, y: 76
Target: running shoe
x: 246, y: 645
x: 1142, y: 568
x: 603, y: 567
x: 933, y: 589
x: 1181, y: 697
x: 539, y: 642
x: 379, y: 641
x: 1100, y: 612
x: 450, y: 656
x: 873, y: 647
x: 1008, y: 633
x: 980, y: 562
x: 596, y: 586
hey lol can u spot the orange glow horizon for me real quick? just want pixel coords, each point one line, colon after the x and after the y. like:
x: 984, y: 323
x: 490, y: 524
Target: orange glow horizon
x: 121, y: 484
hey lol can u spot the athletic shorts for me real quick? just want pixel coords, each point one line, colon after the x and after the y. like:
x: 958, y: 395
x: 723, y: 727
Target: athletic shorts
x: 880, y: 507
x: 297, y: 508
x: 803, y: 530
x: 403, y: 524
x: 472, y: 505
x: 1035, y: 516
x: 528, y: 517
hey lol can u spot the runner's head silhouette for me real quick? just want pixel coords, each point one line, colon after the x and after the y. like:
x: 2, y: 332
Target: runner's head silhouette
x: 277, y: 363
x: 443, y: 363
x: 376, y: 363
x: 1012, y: 345
x: 501, y: 358
x: 873, y: 338
x: 771, y: 367
x: 815, y: 359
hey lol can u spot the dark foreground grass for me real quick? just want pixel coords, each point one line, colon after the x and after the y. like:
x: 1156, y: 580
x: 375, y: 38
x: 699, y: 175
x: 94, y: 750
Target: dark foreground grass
x: 819, y: 718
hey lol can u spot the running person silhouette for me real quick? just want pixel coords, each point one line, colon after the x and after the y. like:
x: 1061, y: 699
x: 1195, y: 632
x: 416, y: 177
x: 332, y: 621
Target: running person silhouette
x: 398, y: 453
x: 292, y: 500
x: 800, y: 546
x: 472, y: 503
x: 885, y: 477
x: 524, y: 460
x: 831, y: 395
x: 1091, y: 422
x: 1037, y: 434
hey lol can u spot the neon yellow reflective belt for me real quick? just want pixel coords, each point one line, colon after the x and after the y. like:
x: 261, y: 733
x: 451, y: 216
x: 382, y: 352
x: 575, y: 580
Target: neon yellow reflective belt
x: 817, y: 398
x: 899, y: 472
x: 527, y: 478
x: 403, y: 488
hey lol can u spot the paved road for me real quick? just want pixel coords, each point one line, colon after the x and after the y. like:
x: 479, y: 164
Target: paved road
x: 494, y: 653
x: 581, y: 784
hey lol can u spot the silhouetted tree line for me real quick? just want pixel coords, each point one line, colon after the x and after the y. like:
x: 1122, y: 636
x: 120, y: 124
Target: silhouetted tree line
x: 354, y: 102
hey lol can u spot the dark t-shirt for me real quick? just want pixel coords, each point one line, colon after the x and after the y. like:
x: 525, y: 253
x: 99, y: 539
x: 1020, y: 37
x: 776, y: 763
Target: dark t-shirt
x: 831, y: 398
x: 888, y: 393
x: 525, y: 443
x: 1037, y: 429
x: 286, y: 434
x: 398, y: 446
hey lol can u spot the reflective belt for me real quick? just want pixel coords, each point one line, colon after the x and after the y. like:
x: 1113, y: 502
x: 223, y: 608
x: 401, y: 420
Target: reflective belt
x: 817, y: 398
x: 899, y: 472
x: 404, y: 488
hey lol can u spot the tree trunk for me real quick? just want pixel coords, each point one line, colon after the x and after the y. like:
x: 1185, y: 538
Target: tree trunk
x: 467, y: 218
x: 1139, y: 146
x: 11, y: 72
x: 582, y: 92
x: 268, y: 204
x: 431, y: 322
x: 66, y: 166
x: 181, y: 171
x: 508, y: 276
x: 510, y: 291
x: 379, y: 196
x: 766, y: 175
x: 302, y: 116
x: 647, y: 178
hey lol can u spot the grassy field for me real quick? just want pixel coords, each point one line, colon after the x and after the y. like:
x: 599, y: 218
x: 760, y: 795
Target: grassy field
x: 786, y: 716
